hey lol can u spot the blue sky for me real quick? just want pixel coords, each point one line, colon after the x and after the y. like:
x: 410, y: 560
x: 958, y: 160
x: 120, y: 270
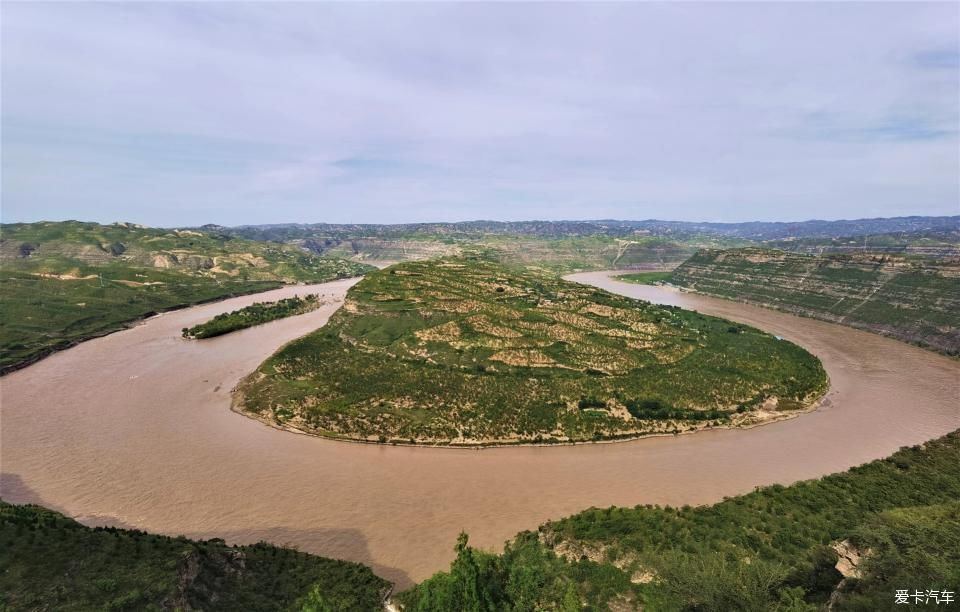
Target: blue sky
x: 184, y: 114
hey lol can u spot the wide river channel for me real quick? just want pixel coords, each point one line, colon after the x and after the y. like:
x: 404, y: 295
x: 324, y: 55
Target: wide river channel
x: 135, y: 429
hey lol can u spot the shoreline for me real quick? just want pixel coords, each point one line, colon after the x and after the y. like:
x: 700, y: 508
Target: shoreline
x: 821, y: 402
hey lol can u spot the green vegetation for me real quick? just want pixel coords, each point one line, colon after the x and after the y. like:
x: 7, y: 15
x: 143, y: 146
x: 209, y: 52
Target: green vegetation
x: 909, y: 547
x: 50, y: 562
x: 913, y: 299
x: 468, y: 352
x: 645, y: 278
x: 67, y: 282
x: 773, y: 549
x: 527, y: 576
x: 257, y: 313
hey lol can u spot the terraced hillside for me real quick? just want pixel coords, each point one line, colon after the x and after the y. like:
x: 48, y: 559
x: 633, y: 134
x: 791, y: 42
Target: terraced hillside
x: 51, y: 562
x: 469, y: 352
x: 913, y: 299
x: 66, y: 282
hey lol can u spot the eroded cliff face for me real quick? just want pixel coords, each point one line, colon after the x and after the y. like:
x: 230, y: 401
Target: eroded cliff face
x: 916, y: 300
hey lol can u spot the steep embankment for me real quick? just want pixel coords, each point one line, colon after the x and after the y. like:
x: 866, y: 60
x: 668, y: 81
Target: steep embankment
x: 67, y: 282
x: 912, y: 299
x: 469, y: 352
x: 51, y: 562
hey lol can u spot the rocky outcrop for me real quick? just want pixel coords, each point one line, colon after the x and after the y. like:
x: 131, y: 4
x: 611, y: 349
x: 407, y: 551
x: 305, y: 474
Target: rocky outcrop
x: 849, y: 559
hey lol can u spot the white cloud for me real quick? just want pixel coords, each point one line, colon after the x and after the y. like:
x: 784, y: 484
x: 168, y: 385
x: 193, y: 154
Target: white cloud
x: 240, y: 113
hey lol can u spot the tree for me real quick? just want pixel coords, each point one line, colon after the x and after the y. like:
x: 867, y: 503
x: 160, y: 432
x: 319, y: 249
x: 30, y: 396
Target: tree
x: 571, y: 601
x: 314, y: 601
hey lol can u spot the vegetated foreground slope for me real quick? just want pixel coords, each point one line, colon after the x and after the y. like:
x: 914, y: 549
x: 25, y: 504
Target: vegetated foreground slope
x: 468, y: 352
x: 66, y: 282
x: 912, y: 299
x: 852, y: 539
x: 51, y: 562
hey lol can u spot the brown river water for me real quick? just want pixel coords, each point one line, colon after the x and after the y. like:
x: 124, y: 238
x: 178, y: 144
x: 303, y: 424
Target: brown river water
x: 135, y: 429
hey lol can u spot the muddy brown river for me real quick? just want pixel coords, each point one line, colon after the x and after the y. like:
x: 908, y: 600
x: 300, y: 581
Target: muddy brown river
x: 135, y: 429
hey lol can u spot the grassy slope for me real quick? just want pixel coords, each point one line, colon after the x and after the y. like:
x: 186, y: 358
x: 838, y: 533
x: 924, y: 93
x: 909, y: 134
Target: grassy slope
x: 50, y: 562
x: 767, y: 550
x: 66, y: 282
x: 469, y: 352
x: 909, y: 298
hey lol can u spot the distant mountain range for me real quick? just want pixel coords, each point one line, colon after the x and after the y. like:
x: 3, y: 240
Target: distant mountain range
x: 752, y: 230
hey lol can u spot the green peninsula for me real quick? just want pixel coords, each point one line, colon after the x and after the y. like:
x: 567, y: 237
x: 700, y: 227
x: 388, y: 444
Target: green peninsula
x: 468, y: 352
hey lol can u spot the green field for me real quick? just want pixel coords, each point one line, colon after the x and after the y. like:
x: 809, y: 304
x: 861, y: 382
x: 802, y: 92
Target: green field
x: 257, y: 313
x: 910, y: 298
x: 770, y: 550
x: 62, y: 283
x: 459, y: 351
x: 50, y: 562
